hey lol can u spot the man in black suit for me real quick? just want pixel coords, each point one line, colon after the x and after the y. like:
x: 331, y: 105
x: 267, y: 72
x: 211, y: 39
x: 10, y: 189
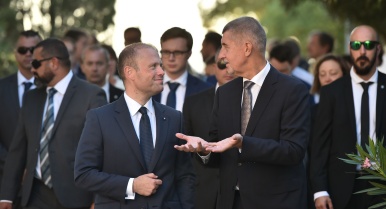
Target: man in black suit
x: 126, y: 155
x: 42, y: 152
x: 176, y: 48
x: 259, y: 125
x: 197, y: 112
x: 95, y: 65
x: 340, y: 126
x: 12, y: 89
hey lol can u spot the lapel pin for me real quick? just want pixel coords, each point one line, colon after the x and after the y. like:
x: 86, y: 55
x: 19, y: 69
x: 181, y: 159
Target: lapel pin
x: 164, y: 118
x: 382, y: 86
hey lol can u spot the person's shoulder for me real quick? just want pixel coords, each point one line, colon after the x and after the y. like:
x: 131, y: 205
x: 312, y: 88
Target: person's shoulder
x: 196, y: 81
x: 198, y: 97
x: 165, y: 109
x: 8, y: 79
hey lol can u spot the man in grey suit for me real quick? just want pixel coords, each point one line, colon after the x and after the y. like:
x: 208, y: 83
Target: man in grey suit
x: 126, y: 155
x: 42, y: 152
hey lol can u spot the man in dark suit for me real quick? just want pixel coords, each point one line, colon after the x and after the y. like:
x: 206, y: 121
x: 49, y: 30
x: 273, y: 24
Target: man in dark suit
x: 43, y: 149
x: 197, y: 112
x: 12, y: 89
x: 95, y: 65
x: 261, y: 131
x: 80, y: 39
x: 125, y: 155
x: 176, y: 48
x: 341, y: 124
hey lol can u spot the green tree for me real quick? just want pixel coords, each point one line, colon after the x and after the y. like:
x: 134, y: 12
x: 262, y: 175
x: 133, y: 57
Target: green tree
x: 51, y: 18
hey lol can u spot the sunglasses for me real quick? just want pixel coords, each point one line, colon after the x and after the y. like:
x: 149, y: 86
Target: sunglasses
x: 369, y: 45
x: 24, y: 50
x: 37, y: 63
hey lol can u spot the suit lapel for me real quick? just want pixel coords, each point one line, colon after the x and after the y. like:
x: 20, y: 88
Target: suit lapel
x: 71, y: 89
x: 37, y: 114
x: 267, y: 90
x: 162, y: 123
x: 381, y: 94
x: 123, y: 118
x: 235, y: 102
x: 190, y: 83
x: 349, y: 98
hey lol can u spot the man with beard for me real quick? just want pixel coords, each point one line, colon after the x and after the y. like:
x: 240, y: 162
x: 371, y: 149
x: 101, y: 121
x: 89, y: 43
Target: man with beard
x: 41, y: 155
x: 351, y: 110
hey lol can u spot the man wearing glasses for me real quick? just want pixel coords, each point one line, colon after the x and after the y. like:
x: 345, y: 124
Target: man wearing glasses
x: 176, y: 48
x: 351, y: 110
x: 42, y: 153
x: 12, y: 89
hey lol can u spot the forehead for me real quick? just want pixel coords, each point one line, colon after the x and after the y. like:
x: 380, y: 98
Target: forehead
x: 175, y: 44
x: 27, y: 41
x: 94, y: 54
x: 37, y: 53
x: 147, y: 56
x: 363, y: 33
x: 329, y: 64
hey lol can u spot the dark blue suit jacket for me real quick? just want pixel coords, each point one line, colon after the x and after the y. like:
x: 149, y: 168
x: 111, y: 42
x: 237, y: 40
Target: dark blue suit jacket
x: 194, y: 85
x: 109, y: 154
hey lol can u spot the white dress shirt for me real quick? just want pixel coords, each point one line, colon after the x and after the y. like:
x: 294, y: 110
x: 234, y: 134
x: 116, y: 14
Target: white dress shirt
x: 357, y: 95
x: 20, y: 86
x: 106, y: 88
x: 134, y: 107
x: 180, y: 92
x: 61, y: 88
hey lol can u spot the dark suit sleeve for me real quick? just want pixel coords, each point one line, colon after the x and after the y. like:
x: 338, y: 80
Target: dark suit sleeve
x: 15, y: 163
x: 89, y: 164
x: 321, y: 142
x: 185, y: 176
x: 291, y: 146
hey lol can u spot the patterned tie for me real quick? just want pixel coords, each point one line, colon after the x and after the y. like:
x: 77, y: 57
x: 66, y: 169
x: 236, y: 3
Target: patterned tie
x: 145, y: 137
x: 365, y: 118
x: 246, y: 107
x: 48, y: 124
x: 171, y: 100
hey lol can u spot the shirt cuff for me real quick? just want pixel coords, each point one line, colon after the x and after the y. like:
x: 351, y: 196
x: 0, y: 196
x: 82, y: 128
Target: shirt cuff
x: 130, y: 195
x: 320, y: 194
x: 204, y: 158
x: 8, y: 201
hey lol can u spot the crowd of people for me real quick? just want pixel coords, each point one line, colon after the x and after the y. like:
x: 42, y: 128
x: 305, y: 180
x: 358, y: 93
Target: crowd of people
x: 81, y: 127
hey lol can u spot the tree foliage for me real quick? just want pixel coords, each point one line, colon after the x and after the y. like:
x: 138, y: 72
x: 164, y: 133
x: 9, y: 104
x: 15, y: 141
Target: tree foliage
x: 51, y: 18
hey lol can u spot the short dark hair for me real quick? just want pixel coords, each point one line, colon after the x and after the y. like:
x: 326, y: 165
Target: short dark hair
x: 75, y: 34
x: 281, y: 52
x: 30, y: 33
x: 294, y: 48
x: 96, y: 47
x: 177, y: 32
x: 53, y: 47
x: 325, y: 39
x: 111, y: 51
x: 213, y: 38
x: 128, y: 57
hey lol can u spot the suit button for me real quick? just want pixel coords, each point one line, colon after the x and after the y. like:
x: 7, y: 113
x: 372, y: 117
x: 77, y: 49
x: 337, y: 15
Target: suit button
x: 239, y: 164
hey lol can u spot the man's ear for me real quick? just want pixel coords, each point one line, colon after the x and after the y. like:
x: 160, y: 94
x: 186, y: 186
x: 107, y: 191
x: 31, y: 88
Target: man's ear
x: 128, y: 72
x: 248, y: 48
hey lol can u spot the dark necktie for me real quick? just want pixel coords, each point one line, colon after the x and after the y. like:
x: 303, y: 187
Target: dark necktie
x: 145, y: 137
x: 246, y: 107
x: 27, y: 86
x: 171, y: 100
x: 365, y: 118
x: 48, y: 124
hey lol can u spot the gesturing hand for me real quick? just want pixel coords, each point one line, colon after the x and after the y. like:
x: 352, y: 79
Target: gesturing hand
x: 146, y: 184
x: 323, y: 202
x: 234, y: 141
x: 193, y: 144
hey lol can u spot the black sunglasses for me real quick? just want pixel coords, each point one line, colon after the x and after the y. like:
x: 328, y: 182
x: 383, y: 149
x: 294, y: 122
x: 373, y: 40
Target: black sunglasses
x: 24, y: 50
x: 37, y: 63
x: 369, y: 45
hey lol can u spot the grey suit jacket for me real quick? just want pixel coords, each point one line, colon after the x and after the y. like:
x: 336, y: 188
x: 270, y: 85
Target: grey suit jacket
x: 109, y: 154
x: 23, y: 152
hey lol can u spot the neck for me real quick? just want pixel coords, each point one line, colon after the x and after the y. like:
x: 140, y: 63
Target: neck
x: 137, y: 96
x: 175, y: 75
x: 26, y: 73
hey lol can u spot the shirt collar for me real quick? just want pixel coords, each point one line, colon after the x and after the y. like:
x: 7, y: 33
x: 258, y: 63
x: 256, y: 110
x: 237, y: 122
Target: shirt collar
x: 21, y: 79
x: 62, y: 85
x: 182, y: 80
x: 260, y: 77
x: 356, y: 79
x: 134, y: 105
x: 106, y: 87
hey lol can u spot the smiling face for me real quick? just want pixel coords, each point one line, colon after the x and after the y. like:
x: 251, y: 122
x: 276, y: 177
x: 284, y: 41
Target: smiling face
x: 148, y: 78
